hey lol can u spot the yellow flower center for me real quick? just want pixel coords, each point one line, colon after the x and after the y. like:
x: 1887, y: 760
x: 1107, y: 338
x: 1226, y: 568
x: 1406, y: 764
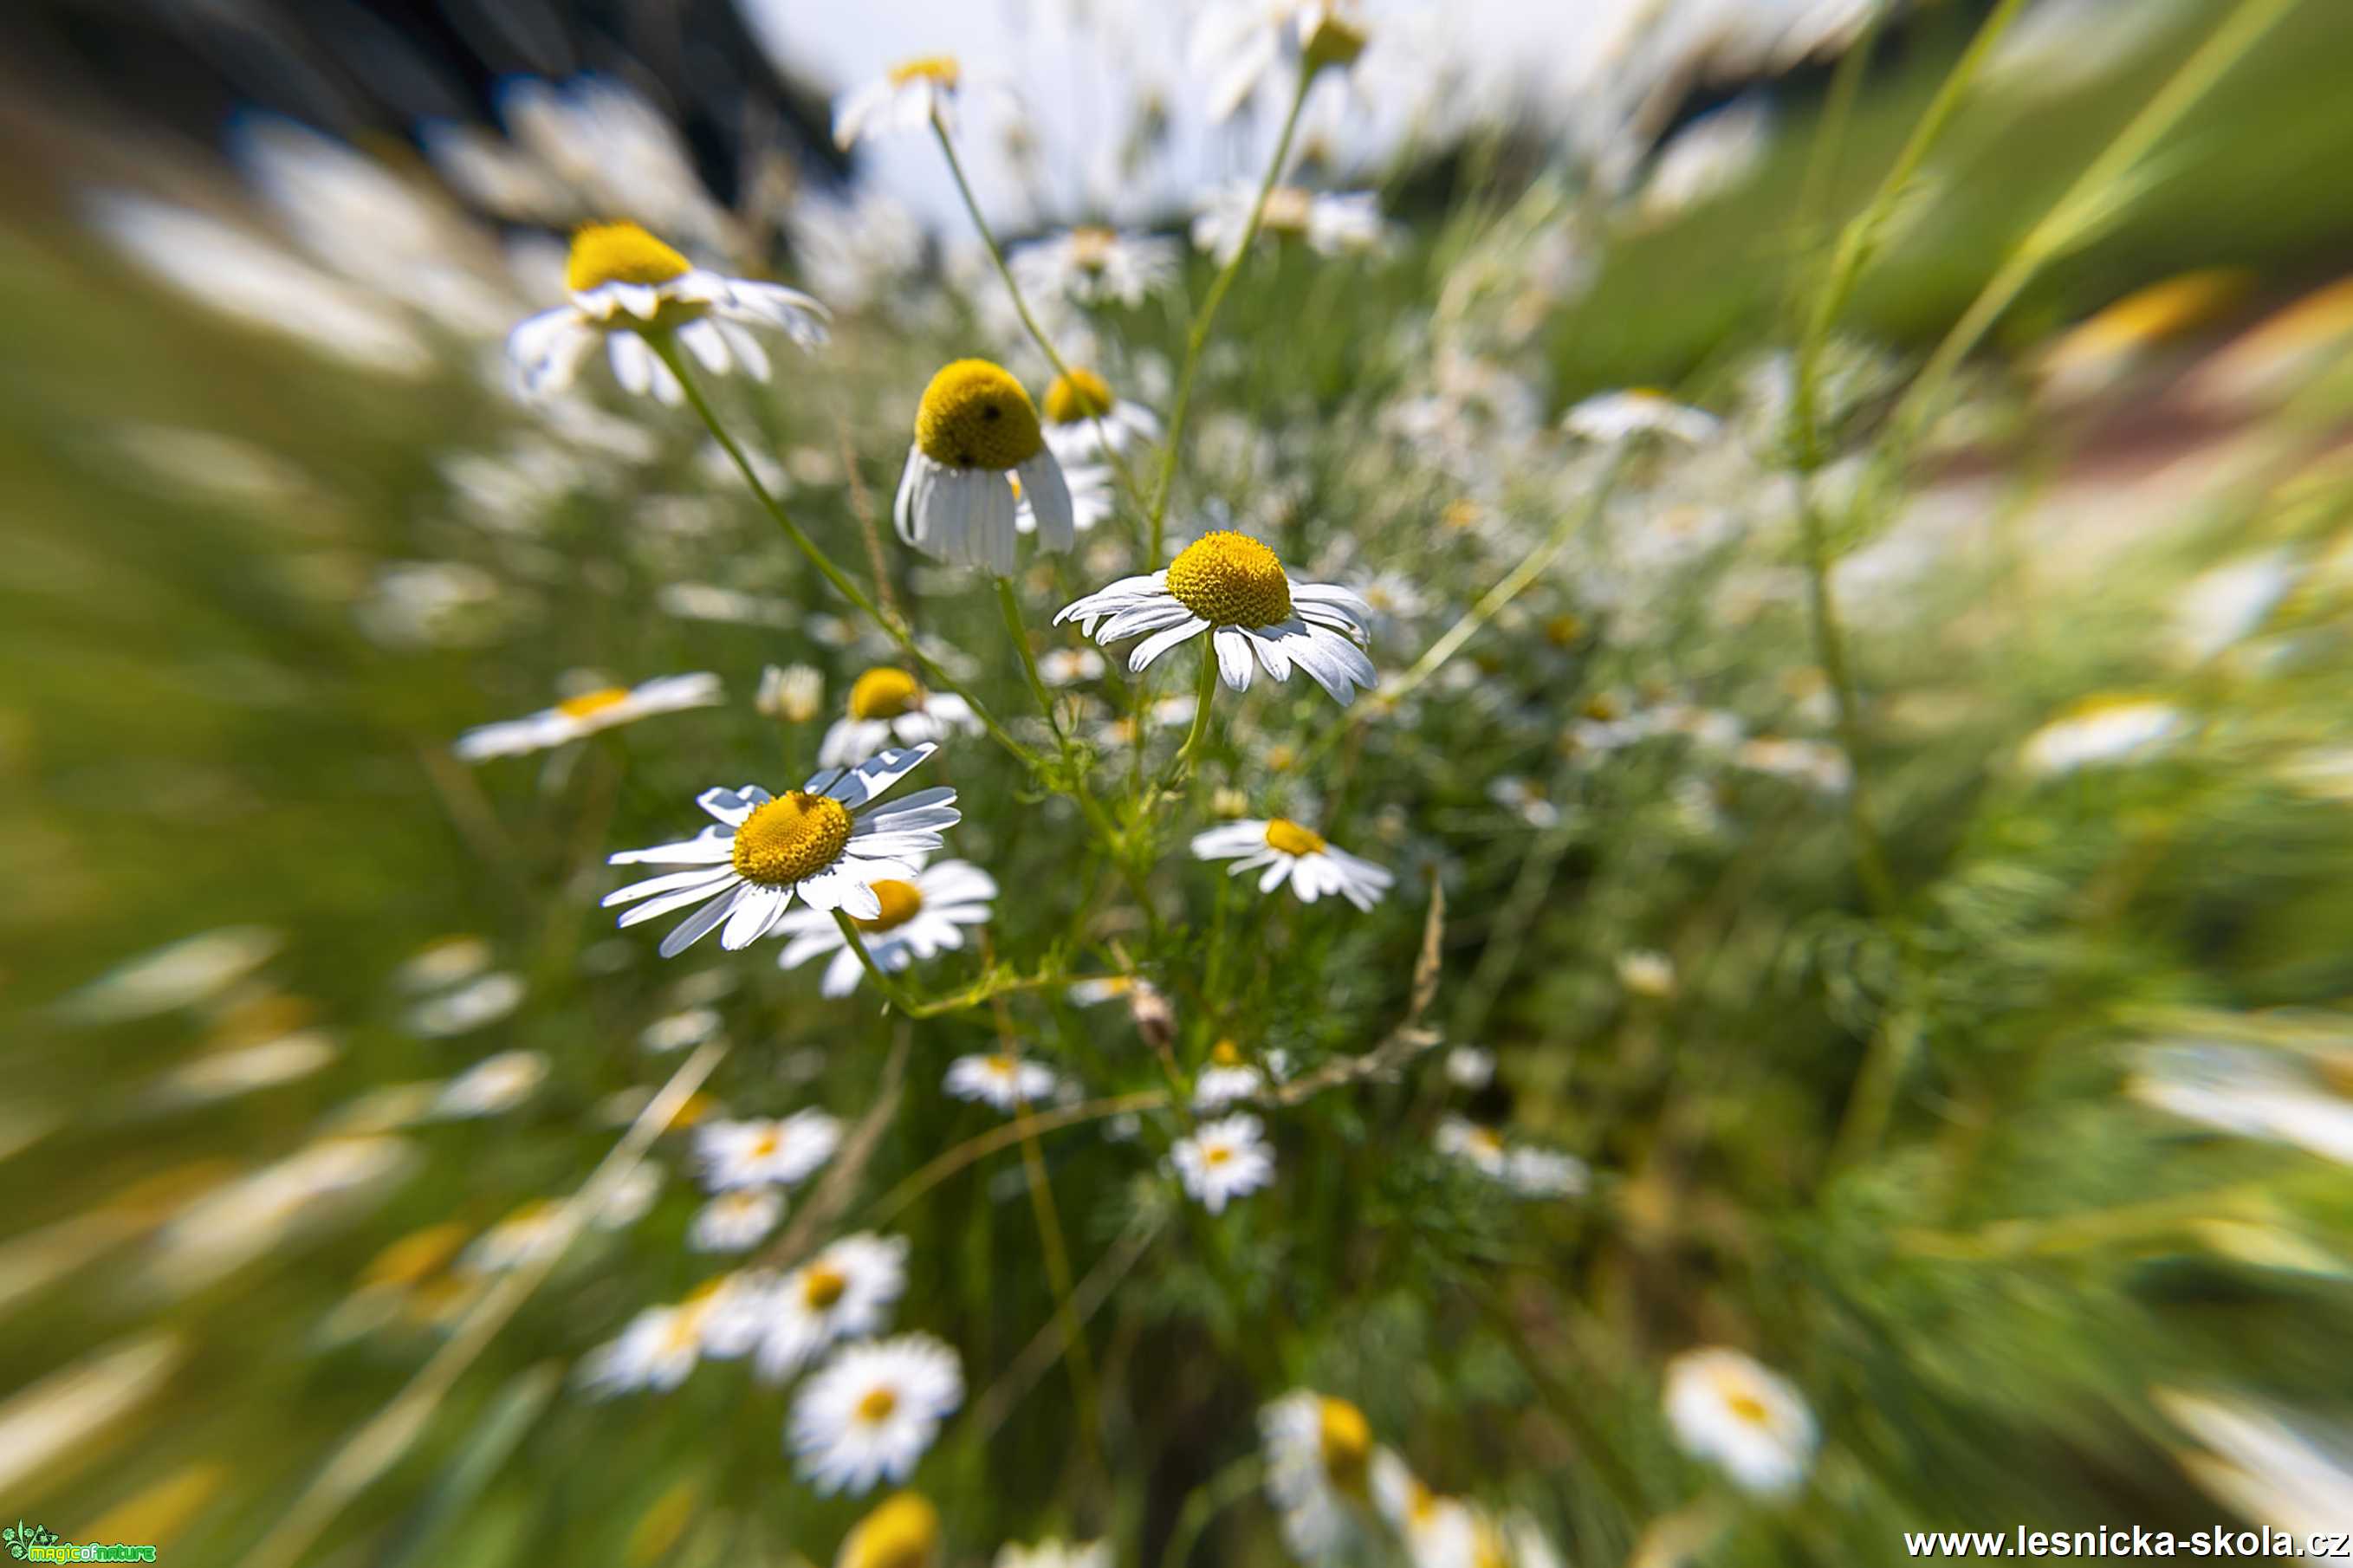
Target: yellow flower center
x: 822, y: 1286
x: 1287, y: 207
x: 605, y: 253
x: 904, y: 1532
x: 1562, y: 630
x: 1226, y: 1053
x: 1293, y: 840
x: 1747, y: 1407
x: 414, y: 1255
x: 1217, y: 1155
x: 877, y: 1405
x: 901, y: 900
x: 942, y: 71
x: 1346, y: 1440
x: 1090, y: 247
x: 2335, y: 1071
x: 976, y: 415
x: 1603, y: 706
x: 1461, y: 513
x: 1079, y: 396
x: 1335, y: 41
x: 884, y: 693
x: 592, y: 702
x: 767, y: 1142
x: 793, y: 837
x: 1486, y: 1140
x: 1231, y: 580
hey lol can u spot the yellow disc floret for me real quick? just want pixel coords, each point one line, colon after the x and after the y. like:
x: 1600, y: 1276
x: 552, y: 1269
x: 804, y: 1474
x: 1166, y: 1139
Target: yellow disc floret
x: 1226, y: 1053
x: 1337, y: 40
x: 792, y: 837
x: 589, y: 703
x: 940, y: 70
x: 1345, y: 1439
x: 1078, y: 395
x: 822, y: 1286
x: 1231, y: 580
x: 605, y: 253
x: 1090, y: 247
x: 976, y: 415
x: 877, y: 1405
x: 901, y: 901
x: 1293, y: 840
x: 904, y: 1532
x: 883, y: 692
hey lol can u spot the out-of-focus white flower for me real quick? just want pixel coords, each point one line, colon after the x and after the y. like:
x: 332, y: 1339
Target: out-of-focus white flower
x: 1093, y: 266
x: 1085, y: 419
x: 845, y: 1292
x: 1223, y: 1160
x: 1237, y: 45
x: 1646, y: 972
x: 1069, y: 666
x: 2277, y: 1092
x: 909, y: 97
x: 1281, y: 850
x: 473, y: 1006
x: 492, y: 1085
x: 1319, y: 1472
x: 1707, y: 158
x: 1523, y: 799
x: 851, y: 250
x: 765, y: 1153
x: 587, y: 713
x: 888, y: 705
x: 1638, y: 411
x: 1825, y: 767
x: 795, y: 693
x: 2226, y: 603
x: 659, y: 1348
x: 432, y: 603
x: 1057, y: 1555
x: 870, y: 1412
x: 1731, y: 1411
x: 676, y: 1031
x: 735, y: 1219
x: 921, y: 919
x: 1326, y: 223
x: 227, y: 1227
x: 2289, y: 1471
x: 1226, y: 1077
x: 1469, y: 1066
x: 2100, y: 732
x: 1001, y: 1080
x: 183, y: 973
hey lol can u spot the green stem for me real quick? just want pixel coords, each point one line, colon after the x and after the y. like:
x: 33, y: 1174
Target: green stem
x: 1010, y: 607
x: 666, y: 348
x: 1830, y: 648
x: 1204, y: 690
x: 882, y: 982
x: 1198, y: 335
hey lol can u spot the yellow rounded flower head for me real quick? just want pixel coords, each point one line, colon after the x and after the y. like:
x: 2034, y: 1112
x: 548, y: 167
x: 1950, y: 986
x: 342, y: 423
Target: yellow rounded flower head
x: 976, y: 415
x: 1293, y: 840
x: 1079, y: 396
x: 940, y: 70
x: 884, y: 693
x: 1346, y: 1440
x: 1231, y: 580
x: 605, y: 253
x: 793, y: 837
x: 904, y: 1532
x: 901, y: 901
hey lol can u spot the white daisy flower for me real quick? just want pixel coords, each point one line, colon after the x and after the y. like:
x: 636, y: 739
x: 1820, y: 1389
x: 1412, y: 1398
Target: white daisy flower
x: 1069, y: 666
x: 183, y: 974
x: 625, y: 283
x: 736, y: 1313
x: 2101, y: 731
x: 795, y: 693
x: 1057, y: 1555
x: 2291, y: 1470
x: 1825, y: 767
x: 657, y: 1350
x: 976, y: 433
x: 735, y: 1220
x: 1727, y: 1410
x: 1705, y: 159
x: 630, y: 1198
x: 1235, y: 588
x: 1638, y: 411
x: 765, y: 1153
x: 887, y: 705
x: 869, y: 1412
x: 444, y: 962
x: 1437, y: 1531
x: 828, y: 843
x: 1287, y: 851
x: 494, y: 1084
x: 1646, y: 972
x: 586, y: 714
x: 1085, y: 419
x: 1091, y: 265
x: 1223, y: 1160
x: 1469, y: 1066
x: 1226, y: 1079
x: 908, y: 97
x: 1002, y: 1079
x: 1481, y: 1148
x: 1319, y: 1468
x: 921, y: 919
x: 2303, y: 1098
x: 1545, y: 1173
x: 1327, y: 223
x: 525, y: 1234
x: 475, y: 1004
x: 904, y: 1531
x: 1523, y: 799
x: 1103, y: 988
x: 1238, y: 44
x: 680, y: 1030
x: 845, y: 1292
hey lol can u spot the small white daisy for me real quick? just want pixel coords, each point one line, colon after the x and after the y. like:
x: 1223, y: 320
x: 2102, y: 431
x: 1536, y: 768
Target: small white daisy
x: 1638, y: 411
x: 825, y: 843
x: 2301, y: 1098
x: 657, y: 1350
x: 922, y: 918
x: 1084, y: 419
x: 1223, y: 1160
x: 1237, y: 45
x: 1235, y: 588
x: 1437, y: 1531
x: 1646, y: 972
x: 2103, y: 731
x: 586, y: 714
x: 765, y: 1153
x: 679, y: 1030
x: 869, y: 1412
x: 1469, y: 1066
x: 1002, y: 1079
x: 474, y: 1004
x: 1069, y: 666
x: 1226, y: 1079
x: 1481, y: 1148
x: 1545, y: 1173
x: 845, y: 1292
x: 625, y: 283
x: 1091, y: 265
x: 1289, y: 852
x: 795, y: 693
x: 494, y: 1084
x: 1327, y: 223
x: 1728, y: 1411
x: 976, y: 433
x: 525, y: 1234
x: 736, y: 1219
x: 887, y: 705
x: 1319, y: 1471
x: 908, y: 97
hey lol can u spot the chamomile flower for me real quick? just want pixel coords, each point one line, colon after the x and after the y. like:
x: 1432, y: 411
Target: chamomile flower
x: 1469, y: 1066
x: 794, y: 693
x: 1609, y: 416
x: 1057, y: 1555
x: 657, y: 1350
x: 676, y: 1031
x: 1281, y: 850
x: 735, y: 1220
x: 765, y: 1153
x: 976, y: 433
x: 1327, y: 223
x: 1091, y: 265
x: 2103, y: 731
x: 904, y: 1531
x: 825, y: 843
x: 1319, y: 1470
x: 922, y: 918
x: 1069, y: 666
x: 1646, y: 972
x: 1002, y: 1079
x: 1226, y: 1079
x: 623, y: 284
x: 586, y: 714
x: 1238, y: 44
x: 908, y: 97
x: 869, y: 1412
x: 1481, y: 1148
x: 845, y: 1292
x: 1223, y: 1160
x: 1545, y: 1173
x: 1234, y: 588
x: 1731, y: 1411
x: 1084, y: 419
x: 887, y: 705
x: 494, y: 1084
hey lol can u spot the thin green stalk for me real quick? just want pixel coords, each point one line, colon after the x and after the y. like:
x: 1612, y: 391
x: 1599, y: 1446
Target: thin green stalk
x: 882, y: 982
x: 1198, y: 335
x: 1057, y: 1275
x: 1205, y: 690
x: 1830, y: 648
x: 666, y: 348
x: 1010, y: 607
